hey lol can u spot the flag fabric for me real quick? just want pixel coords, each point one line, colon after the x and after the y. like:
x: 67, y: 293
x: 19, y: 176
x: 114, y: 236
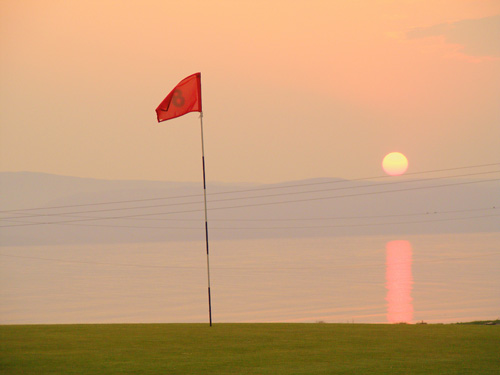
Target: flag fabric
x: 184, y: 98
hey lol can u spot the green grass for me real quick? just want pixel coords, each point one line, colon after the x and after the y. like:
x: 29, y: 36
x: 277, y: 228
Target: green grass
x: 489, y: 322
x: 250, y: 349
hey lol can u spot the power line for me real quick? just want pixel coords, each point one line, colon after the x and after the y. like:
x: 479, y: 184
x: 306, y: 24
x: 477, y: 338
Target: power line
x: 251, y: 190
x: 97, y: 263
x: 258, y: 196
x: 297, y: 227
x: 255, y: 204
x: 239, y: 268
x: 358, y: 225
x: 354, y: 187
x: 429, y: 212
x: 353, y: 195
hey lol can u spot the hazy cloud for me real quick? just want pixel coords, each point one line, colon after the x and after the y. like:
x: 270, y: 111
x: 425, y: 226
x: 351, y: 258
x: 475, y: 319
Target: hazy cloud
x: 479, y: 37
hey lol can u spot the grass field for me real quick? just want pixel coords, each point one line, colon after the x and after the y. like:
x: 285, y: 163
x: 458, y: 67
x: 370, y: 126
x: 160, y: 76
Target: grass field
x: 250, y: 349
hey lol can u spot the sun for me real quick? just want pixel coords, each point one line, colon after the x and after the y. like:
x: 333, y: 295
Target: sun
x: 395, y: 164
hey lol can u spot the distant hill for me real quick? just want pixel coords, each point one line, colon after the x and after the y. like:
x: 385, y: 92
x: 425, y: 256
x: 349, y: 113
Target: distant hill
x: 39, y: 208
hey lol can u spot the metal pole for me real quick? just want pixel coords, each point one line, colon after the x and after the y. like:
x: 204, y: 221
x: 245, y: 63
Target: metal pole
x: 206, y: 218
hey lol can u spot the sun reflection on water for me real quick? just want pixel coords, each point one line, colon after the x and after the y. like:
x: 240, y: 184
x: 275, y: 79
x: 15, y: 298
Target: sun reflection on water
x: 399, y: 281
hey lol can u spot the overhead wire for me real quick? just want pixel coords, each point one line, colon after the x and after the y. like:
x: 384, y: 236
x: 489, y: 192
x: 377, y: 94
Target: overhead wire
x: 237, y: 268
x: 293, y: 227
x: 271, y: 195
x: 74, y: 223
x: 279, y: 219
x: 77, y: 215
x: 247, y: 205
x: 252, y: 189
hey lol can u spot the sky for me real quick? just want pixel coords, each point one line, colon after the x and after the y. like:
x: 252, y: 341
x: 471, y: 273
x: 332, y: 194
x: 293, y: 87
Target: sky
x: 291, y: 89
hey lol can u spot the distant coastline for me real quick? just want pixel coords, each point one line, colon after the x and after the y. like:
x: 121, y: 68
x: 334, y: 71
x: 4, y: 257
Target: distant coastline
x: 85, y: 210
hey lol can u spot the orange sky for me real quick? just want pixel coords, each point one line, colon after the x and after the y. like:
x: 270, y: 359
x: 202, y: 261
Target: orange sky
x: 291, y: 89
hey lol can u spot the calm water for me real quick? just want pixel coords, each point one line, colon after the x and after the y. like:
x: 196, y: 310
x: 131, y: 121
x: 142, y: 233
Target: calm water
x: 435, y: 278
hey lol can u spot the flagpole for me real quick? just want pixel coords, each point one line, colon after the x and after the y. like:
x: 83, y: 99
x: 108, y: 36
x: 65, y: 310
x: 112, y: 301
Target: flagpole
x: 206, y: 218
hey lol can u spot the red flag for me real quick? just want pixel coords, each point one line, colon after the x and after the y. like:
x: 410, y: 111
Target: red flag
x: 184, y: 98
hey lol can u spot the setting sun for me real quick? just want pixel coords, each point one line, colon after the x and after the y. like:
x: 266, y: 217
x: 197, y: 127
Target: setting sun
x: 395, y: 164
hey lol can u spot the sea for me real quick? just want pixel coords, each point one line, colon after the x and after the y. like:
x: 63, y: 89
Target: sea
x: 438, y: 278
